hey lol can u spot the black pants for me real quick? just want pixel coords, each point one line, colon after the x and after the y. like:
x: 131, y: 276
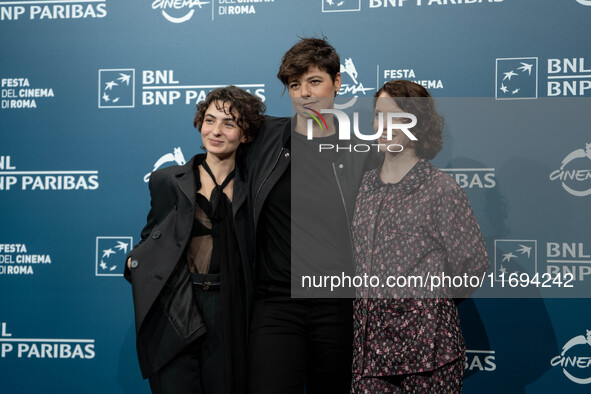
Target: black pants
x: 296, y: 344
x: 199, y: 369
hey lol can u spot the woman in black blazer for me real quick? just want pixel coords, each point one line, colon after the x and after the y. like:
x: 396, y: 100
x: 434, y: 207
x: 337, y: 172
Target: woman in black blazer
x: 190, y: 275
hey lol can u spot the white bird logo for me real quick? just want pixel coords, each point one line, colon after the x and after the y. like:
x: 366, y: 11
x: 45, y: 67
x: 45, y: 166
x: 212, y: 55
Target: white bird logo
x: 525, y: 67
x: 110, y: 85
x: 108, y: 252
x: 508, y: 256
x: 524, y: 249
x: 504, y: 88
x: 122, y: 246
x: 124, y: 78
x: 509, y: 74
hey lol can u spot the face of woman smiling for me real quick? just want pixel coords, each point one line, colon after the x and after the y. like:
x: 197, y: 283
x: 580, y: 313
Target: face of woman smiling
x: 220, y: 133
x: 314, y: 89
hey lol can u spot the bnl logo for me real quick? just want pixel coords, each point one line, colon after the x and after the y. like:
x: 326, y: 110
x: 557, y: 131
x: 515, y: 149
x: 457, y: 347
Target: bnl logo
x: 341, y: 5
x: 513, y: 256
x: 116, y: 88
x: 110, y: 255
x: 516, y: 78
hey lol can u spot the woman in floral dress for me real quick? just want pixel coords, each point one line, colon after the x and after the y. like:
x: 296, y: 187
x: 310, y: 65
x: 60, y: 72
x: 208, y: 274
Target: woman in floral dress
x: 411, y: 219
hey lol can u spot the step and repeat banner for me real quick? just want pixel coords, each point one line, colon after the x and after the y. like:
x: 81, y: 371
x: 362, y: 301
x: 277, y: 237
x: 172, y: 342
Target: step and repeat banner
x: 96, y: 94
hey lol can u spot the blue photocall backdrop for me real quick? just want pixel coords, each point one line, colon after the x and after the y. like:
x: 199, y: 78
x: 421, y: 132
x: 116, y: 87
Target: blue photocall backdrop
x: 95, y: 94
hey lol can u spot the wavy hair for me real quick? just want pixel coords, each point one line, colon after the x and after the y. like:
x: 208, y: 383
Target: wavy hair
x: 415, y: 99
x: 246, y: 110
x: 306, y: 53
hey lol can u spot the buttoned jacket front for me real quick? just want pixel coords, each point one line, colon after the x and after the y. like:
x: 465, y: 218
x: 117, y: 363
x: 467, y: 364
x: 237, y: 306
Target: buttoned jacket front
x: 167, y: 318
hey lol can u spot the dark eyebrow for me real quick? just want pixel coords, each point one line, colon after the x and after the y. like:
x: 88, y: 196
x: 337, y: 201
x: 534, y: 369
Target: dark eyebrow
x: 226, y: 118
x: 307, y: 79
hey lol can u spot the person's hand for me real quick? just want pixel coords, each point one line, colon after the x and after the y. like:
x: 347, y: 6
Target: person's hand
x: 129, y: 262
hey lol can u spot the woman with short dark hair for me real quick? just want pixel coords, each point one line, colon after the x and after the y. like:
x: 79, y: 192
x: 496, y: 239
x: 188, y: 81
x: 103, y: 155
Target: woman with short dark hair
x: 190, y: 273
x: 304, y: 343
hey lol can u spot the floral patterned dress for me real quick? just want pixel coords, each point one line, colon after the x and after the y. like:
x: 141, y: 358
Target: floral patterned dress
x: 408, y: 338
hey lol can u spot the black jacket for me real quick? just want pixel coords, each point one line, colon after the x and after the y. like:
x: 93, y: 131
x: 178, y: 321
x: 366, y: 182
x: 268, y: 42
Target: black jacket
x: 267, y: 160
x: 167, y: 318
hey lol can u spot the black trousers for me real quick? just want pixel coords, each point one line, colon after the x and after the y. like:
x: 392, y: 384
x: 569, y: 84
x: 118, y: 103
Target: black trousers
x: 296, y: 344
x: 199, y: 369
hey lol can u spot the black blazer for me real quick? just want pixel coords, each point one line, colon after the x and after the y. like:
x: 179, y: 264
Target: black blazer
x: 267, y: 160
x: 167, y: 318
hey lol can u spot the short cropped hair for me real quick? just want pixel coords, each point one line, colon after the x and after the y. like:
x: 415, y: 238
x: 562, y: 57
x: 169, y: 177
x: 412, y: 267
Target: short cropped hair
x: 415, y: 99
x: 246, y: 110
x: 306, y: 53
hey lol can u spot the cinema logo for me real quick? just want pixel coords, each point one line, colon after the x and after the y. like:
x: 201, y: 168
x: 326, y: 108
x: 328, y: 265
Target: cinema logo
x: 575, y: 359
x: 394, y: 121
x: 15, y: 259
x: 237, y: 7
x: 574, y: 173
x: 178, y: 11
x: 17, y: 93
x: 351, y: 85
x: 176, y: 156
x: 52, y: 9
x: 388, y: 74
x: 11, y: 179
x: 44, y: 348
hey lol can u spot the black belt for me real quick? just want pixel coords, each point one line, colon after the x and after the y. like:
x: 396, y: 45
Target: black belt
x: 206, y: 281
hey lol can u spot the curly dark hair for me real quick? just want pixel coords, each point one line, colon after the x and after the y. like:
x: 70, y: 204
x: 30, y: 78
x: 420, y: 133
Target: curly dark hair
x: 415, y: 99
x: 246, y: 110
x: 306, y: 53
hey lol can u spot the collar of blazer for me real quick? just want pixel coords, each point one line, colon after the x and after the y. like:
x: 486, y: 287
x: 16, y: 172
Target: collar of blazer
x: 189, y: 182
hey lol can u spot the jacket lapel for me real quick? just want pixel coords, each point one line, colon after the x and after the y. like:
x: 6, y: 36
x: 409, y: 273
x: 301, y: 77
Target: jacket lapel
x: 188, y: 183
x: 186, y: 180
x: 239, y: 194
